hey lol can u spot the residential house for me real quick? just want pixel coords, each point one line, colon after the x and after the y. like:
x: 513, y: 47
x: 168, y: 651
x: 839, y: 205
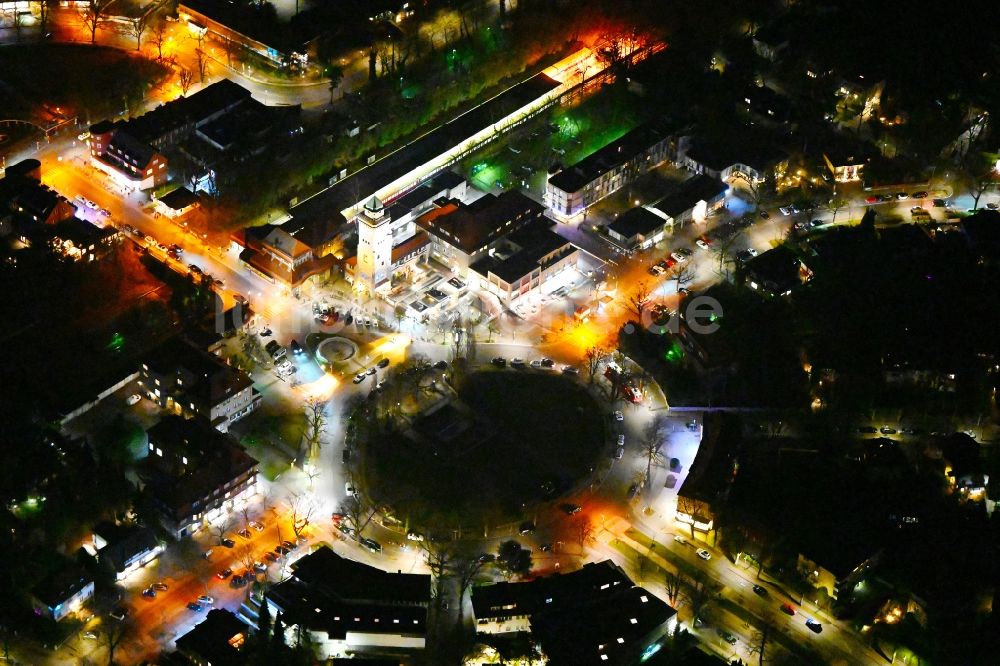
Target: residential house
x: 194, y: 474
x: 697, y: 197
x: 639, y: 228
x: 704, y: 490
x: 571, y: 190
x: 74, y: 239
x: 776, y: 272
x: 176, y: 203
x: 594, y: 615
x: 124, y: 549
x: 27, y: 206
x: 182, y: 378
x: 279, y: 257
x: 217, y: 640
x: 63, y: 592
x: 733, y: 160
x: 347, y: 606
x: 838, y: 567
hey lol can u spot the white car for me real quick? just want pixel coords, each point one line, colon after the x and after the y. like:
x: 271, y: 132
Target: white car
x: 787, y: 210
x: 133, y: 399
x: 680, y: 539
x: 619, y: 416
x: 205, y: 599
x: 350, y: 490
x: 751, y: 252
x: 414, y: 536
x: 704, y: 554
x: 702, y: 244
x: 678, y: 257
x: 621, y: 440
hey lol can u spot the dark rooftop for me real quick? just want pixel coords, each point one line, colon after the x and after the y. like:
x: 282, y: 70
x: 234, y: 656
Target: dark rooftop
x: 776, y: 270
x: 179, y: 199
x: 61, y: 584
x: 616, y: 153
x: 365, y: 182
x: 216, y: 640
x: 351, y: 581
x: 693, y: 190
x: 720, y: 152
x: 636, y: 221
x: 531, y: 244
x: 471, y: 226
x: 207, y: 377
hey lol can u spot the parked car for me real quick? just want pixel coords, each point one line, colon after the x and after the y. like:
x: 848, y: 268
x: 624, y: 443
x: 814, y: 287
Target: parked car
x: 619, y: 416
x: 383, y: 363
x: 760, y: 591
x: 919, y: 195
x: 205, y: 599
x: 527, y: 527
x: 726, y: 636
x: 571, y: 509
x: 296, y: 347
x: 788, y: 609
x: 571, y: 370
x: 257, y: 526
x: 228, y: 543
x: 133, y: 399
x: 161, y: 587
x: 619, y: 452
x: 704, y: 554
x: 194, y: 606
x: 371, y: 544
x: 499, y: 361
x: 765, y: 215
x: 814, y: 625
x: 149, y: 592
x: 224, y: 574
x: 679, y: 538
x: 517, y: 363
x: 414, y: 536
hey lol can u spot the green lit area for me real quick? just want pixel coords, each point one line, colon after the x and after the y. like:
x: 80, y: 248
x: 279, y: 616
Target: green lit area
x: 117, y: 342
x: 675, y: 354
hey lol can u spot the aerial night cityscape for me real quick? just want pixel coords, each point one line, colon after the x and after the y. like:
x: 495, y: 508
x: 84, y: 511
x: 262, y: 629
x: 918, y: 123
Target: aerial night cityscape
x: 474, y: 332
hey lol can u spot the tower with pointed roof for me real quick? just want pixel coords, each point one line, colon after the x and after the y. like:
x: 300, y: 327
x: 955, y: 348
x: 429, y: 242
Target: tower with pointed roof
x: 374, y: 261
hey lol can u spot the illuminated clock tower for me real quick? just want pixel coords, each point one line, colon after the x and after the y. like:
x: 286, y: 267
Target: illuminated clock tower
x: 374, y: 248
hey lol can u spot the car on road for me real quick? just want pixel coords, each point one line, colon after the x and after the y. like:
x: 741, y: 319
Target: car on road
x: 499, y: 361
x: 228, y: 543
x: 89, y: 635
x: 571, y: 370
x: 726, y: 636
x: 205, y: 599
x: 290, y: 545
x: 788, y: 609
x: 765, y: 215
x: 571, y: 509
x: 296, y: 347
x: 517, y: 363
x: 527, y: 527
x: 224, y: 574
x: 787, y: 210
x: 919, y: 195
x: 194, y: 606
x: 537, y: 364
x: 621, y: 440
x: 993, y: 205
x: 360, y: 377
x: 194, y: 269
x: 161, y: 587
x: 270, y: 557
x: 349, y: 489
x: 619, y: 453
x: 939, y: 203
x: 547, y: 363
x: 633, y: 489
x: 704, y: 554
x: 487, y: 557
x: 118, y: 613
x: 245, y: 533
x: 702, y: 243
x: 619, y: 416
x: 371, y: 544
x: 257, y: 526
x: 814, y: 626
x: 887, y: 430
x: 323, y: 318
x: 149, y: 593
x: 260, y: 566
x: 240, y: 580
x: 382, y: 364
x: 901, y: 196
x: 813, y: 224
x: 655, y: 270
x: 679, y: 538
x: 441, y: 365
x: 414, y: 536
x: 760, y: 591
x: 133, y: 399
x: 281, y: 550
x: 872, y: 200
x: 345, y: 530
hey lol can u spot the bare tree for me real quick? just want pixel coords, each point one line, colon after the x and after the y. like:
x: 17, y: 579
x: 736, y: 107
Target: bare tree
x: 159, y: 39
x: 114, y: 634
x: 302, y: 509
x: 312, y: 437
x: 723, y: 249
x: 92, y: 15
x: 594, y: 356
x: 652, y: 441
x: 440, y: 558
x: 583, y: 530
x: 640, y: 299
x: 836, y: 205
x: 761, y: 636
x: 201, y: 63
x: 685, y: 275
x: 673, y: 582
x: 358, y: 512
x: 185, y: 78
x: 698, y: 594
x: 44, y: 9
x: 220, y: 528
x: 467, y: 570
x: 136, y: 26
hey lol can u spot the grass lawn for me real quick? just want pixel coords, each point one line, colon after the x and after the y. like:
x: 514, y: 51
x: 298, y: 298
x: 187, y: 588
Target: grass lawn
x: 509, y: 434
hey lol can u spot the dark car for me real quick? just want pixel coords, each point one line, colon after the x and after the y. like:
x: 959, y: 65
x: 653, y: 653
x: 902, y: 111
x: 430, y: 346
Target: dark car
x: 919, y: 195
x: 194, y: 606
x: 288, y: 544
x: 499, y: 361
x: 887, y: 430
x: 119, y: 613
x: 384, y: 363
x: 282, y: 550
x: 371, y: 544
x: 270, y: 557
x: 487, y: 557
x: 149, y: 593
x: 764, y: 214
x: 194, y: 269
x: 814, y: 625
x: 441, y: 365
x: 296, y: 347
x: 527, y: 527
x: 547, y: 362
x: 228, y: 543
x: 224, y: 574
x: 726, y: 636
x: 632, y: 490
x: 788, y: 609
x: 760, y: 591
x: 571, y: 509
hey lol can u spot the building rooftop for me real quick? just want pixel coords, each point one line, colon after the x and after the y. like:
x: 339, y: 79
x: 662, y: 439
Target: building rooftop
x: 61, y: 584
x: 80, y: 232
x: 216, y: 640
x: 470, y: 227
x: 179, y: 199
x: 206, y: 377
x: 560, y: 589
x: 525, y: 251
x: 124, y: 542
x: 718, y: 153
x: 636, y: 221
x: 602, y: 629
x: 611, y: 156
x: 352, y: 581
x: 778, y: 269
x: 693, y: 190
x: 365, y: 182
